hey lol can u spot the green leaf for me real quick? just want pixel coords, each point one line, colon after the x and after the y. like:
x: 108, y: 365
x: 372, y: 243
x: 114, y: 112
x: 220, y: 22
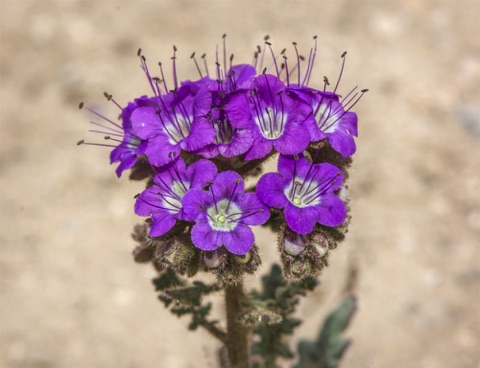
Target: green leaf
x: 327, y: 350
x: 166, y: 280
x: 271, y: 312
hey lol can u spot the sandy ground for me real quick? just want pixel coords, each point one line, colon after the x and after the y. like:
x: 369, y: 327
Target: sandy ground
x: 71, y: 296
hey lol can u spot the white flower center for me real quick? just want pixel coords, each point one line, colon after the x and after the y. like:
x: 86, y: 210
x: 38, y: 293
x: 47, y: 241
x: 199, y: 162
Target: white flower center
x: 326, y: 118
x: 178, y: 128
x: 173, y: 200
x: 223, y: 216
x: 271, y: 123
x: 303, y: 193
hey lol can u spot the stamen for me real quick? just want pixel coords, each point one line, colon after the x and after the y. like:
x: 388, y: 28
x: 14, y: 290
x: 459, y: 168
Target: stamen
x: 231, y: 195
x: 196, y: 64
x: 298, y: 61
x: 177, y: 172
x: 155, y: 205
x: 294, y: 171
x: 213, y: 195
x: 174, y: 58
x: 229, y: 217
x: 205, y: 64
x: 266, y: 38
x: 273, y: 57
x: 144, y: 66
x: 202, y: 208
x: 341, y: 71
x: 224, y: 52
x: 311, y: 62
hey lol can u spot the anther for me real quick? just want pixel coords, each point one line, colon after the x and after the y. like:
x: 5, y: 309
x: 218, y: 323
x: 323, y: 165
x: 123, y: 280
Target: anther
x: 264, y: 70
x: 268, y: 43
x: 80, y: 105
x: 136, y: 196
x: 364, y: 90
x: 79, y: 143
x: 344, y: 53
x: 266, y: 38
x: 107, y: 96
x: 315, y: 37
x: 174, y: 48
x: 139, y: 52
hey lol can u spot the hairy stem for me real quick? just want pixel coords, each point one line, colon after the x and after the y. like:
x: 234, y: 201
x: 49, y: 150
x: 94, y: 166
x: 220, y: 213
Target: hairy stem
x: 237, y: 333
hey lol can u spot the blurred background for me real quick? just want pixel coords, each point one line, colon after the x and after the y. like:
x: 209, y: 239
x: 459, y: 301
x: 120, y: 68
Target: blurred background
x: 71, y: 295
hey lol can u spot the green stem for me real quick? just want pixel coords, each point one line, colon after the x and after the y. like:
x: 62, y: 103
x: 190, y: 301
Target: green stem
x: 237, y: 333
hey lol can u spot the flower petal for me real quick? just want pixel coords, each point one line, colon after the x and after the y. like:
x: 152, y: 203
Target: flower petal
x: 270, y: 190
x: 192, y: 203
x: 204, y: 237
x: 201, y: 172
x: 301, y: 220
x: 162, y: 222
x: 238, y: 241
x: 342, y: 142
x: 145, y: 122
x: 255, y: 211
x: 224, y: 184
x: 260, y: 148
x: 331, y: 210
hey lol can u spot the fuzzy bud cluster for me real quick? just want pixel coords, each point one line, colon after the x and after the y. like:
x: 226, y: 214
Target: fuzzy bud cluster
x: 197, y: 141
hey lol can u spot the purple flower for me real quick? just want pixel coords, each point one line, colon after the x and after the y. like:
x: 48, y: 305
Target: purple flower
x: 229, y: 141
x: 333, y: 121
x: 272, y: 115
x: 224, y: 214
x: 306, y: 192
x: 131, y: 145
x: 177, y: 121
x: 163, y: 200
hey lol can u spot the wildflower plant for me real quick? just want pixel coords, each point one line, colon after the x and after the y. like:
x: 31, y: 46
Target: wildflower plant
x: 201, y: 146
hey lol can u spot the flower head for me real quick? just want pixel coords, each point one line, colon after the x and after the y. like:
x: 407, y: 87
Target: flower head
x: 271, y: 115
x: 129, y: 146
x: 173, y: 122
x: 224, y: 214
x: 229, y: 140
x: 163, y: 200
x: 306, y: 192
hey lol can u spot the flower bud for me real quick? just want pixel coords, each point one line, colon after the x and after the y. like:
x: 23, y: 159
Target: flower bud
x: 291, y: 243
x: 235, y: 266
x: 214, y: 259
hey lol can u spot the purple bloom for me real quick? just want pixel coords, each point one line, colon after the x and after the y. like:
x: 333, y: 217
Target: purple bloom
x: 131, y: 145
x: 273, y: 116
x: 163, y: 200
x: 332, y: 121
x: 224, y: 214
x: 229, y: 141
x: 306, y: 192
x: 177, y: 121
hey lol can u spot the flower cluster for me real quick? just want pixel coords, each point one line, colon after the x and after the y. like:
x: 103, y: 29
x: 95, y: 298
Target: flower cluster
x: 198, y: 140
